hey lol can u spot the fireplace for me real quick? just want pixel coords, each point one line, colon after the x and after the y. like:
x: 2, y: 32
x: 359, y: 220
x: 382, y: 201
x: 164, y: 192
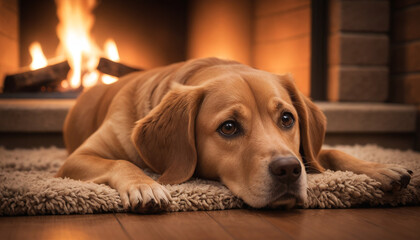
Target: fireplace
x: 334, y: 48
x: 271, y: 35
x: 360, y: 54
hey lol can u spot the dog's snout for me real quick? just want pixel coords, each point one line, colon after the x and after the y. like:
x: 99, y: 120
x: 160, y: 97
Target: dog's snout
x: 286, y: 169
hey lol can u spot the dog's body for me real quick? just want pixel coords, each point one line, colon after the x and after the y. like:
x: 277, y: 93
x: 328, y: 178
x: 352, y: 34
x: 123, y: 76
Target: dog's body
x: 220, y: 120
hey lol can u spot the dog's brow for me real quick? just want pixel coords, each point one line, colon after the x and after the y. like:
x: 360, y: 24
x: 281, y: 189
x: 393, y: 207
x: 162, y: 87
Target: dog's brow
x: 237, y: 112
x: 279, y: 105
x: 276, y: 105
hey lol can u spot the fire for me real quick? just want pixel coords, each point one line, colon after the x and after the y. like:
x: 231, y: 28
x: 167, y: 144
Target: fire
x: 77, y: 46
x: 38, y: 58
x: 90, y: 79
x: 75, y: 23
x: 111, y: 52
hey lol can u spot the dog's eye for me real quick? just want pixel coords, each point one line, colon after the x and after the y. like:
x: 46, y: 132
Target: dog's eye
x: 228, y: 128
x: 287, y: 120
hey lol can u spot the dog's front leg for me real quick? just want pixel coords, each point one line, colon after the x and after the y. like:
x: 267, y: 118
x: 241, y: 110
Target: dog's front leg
x: 392, y: 177
x: 136, y: 189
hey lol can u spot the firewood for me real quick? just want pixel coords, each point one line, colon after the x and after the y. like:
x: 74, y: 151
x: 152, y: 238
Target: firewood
x: 33, y: 80
x: 115, y: 69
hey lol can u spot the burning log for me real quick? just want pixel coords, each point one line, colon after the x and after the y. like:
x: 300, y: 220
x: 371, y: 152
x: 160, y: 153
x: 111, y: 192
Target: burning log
x: 49, y: 78
x: 114, y: 68
x: 33, y: 80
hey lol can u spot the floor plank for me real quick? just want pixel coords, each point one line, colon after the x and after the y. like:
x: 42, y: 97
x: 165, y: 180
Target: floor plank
x: 245, y: 224
x: 179, y: 225
x: 100, y: 226
x: 314, y: 224
x: 403, y: 223
x: 344, y: 224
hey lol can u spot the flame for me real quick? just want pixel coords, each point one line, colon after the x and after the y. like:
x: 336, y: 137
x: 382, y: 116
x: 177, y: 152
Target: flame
x: 108, y: 79
x: 90, y: 79
x: 76, y: 21
x: 111, y: 52
x: 64, y: 84
x: 38, y: 57
x: 77, y: 46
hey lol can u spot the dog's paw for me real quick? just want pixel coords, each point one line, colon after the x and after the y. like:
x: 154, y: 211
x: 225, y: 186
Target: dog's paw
x: 143, y: 197
x: 392, y: 177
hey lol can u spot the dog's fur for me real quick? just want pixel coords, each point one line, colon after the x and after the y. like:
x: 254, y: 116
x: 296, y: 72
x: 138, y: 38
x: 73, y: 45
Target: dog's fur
x: 168, y: 119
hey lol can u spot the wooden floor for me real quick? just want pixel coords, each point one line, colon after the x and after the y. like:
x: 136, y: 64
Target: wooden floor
x: 372, y: 223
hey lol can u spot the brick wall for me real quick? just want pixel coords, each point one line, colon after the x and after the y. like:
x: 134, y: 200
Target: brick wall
x: 281, y: 41
x: 220, y: 28
x: 272, y: 35
x: 405, y: 51
x: 358, y: 50
x: 8, y: 38
x: 405, y: 55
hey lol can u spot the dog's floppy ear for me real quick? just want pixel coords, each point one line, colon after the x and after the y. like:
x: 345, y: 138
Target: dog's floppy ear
x: 165, y: 138
x: 312, y: 123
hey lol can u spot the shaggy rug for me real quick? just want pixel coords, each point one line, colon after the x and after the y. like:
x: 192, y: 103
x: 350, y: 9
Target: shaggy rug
x: 27, y: 186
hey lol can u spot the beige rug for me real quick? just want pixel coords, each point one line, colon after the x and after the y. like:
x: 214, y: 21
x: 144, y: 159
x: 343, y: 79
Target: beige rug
x: 28, y: 188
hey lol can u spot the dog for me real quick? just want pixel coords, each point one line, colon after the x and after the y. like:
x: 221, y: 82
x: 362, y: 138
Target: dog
x: 209, y: 118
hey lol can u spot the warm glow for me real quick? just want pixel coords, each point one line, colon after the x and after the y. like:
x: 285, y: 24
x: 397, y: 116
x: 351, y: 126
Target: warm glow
x: 90, y: 79
x: 38, y: 57
x: 64, y: 84
x: 111, y: 50
x: 62, y: 232
x: 73, y: 30
x: 108, y: 79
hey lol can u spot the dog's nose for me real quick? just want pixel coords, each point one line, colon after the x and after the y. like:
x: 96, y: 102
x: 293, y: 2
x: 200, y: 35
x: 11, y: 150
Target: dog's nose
x: 286, y: 169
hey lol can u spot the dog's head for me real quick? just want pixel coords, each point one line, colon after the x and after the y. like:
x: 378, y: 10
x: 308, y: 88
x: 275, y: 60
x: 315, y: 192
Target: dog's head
x: 250, y: 129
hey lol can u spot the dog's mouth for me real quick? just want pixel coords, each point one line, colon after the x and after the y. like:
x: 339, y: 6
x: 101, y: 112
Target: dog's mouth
x: 286, y: 201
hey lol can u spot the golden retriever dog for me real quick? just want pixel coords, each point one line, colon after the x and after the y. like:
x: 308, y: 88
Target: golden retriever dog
x: 209, y: 118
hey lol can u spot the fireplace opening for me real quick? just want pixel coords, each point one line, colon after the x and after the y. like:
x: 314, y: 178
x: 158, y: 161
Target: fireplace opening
x: 276, y: 36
